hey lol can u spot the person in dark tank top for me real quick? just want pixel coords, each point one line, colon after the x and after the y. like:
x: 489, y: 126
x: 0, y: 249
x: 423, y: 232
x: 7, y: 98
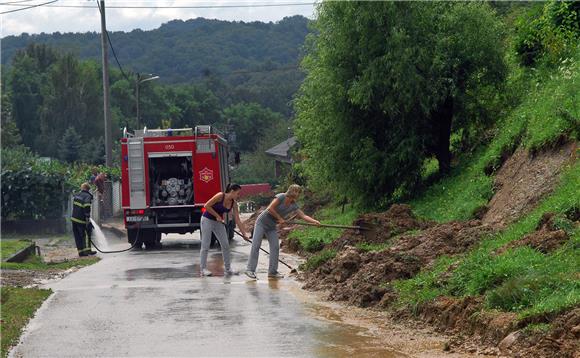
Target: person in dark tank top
x: 212, y: 222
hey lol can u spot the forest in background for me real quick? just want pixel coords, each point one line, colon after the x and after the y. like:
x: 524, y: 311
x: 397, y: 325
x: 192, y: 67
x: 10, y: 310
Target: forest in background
x: 233, y: 75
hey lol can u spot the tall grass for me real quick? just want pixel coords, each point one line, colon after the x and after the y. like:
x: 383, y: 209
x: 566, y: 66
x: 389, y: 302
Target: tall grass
x: 521, y: 280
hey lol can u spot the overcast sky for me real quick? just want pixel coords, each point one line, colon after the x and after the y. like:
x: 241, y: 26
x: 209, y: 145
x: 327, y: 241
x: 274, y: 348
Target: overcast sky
x: 66, y: 19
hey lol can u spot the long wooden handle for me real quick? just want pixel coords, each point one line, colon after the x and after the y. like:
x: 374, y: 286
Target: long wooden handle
x: 327, y: 225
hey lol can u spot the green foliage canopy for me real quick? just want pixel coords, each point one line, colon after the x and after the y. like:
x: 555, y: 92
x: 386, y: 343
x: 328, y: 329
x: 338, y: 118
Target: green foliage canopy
x: 386, y: 81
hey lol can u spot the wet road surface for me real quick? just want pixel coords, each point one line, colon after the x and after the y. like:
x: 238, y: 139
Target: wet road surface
x: 153, y: 304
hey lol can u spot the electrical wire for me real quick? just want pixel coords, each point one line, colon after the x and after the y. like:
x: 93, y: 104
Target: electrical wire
x: 177, y: 6
x: 112, y: 48
x: 15, y: 2
x: 25, y: 8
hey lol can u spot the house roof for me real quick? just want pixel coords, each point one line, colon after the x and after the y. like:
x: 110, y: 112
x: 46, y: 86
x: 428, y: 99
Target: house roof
x: 282, y: 150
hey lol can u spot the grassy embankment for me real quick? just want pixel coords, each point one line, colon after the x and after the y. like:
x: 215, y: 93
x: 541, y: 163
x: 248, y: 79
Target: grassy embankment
x: 520, y: 280
x: 18, y: 305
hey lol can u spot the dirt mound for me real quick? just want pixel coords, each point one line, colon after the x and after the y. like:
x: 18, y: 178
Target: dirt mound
x: 360, y: 277
x: 476, y: 328
x: 547, y: 237
x: 523, y: 180
x: 562, y: 340
x: 251, y: 221
x: 381, y: 227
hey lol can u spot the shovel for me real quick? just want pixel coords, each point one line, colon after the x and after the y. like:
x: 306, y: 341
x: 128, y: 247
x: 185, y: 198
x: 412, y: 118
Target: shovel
x: 292, y: 270
x: 366, y: 227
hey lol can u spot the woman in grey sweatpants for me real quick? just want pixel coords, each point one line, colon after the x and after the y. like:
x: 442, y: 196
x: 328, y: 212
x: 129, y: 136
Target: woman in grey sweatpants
x: 212, y: 222
x: 279, y: 209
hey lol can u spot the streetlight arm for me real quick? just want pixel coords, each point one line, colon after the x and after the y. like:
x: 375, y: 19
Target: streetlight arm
x: 149, y: 79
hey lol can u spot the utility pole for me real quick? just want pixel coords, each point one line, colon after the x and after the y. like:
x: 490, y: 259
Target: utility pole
x: 106, y: 91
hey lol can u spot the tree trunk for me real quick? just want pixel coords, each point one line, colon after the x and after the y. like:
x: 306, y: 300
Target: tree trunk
x: 443, y: 119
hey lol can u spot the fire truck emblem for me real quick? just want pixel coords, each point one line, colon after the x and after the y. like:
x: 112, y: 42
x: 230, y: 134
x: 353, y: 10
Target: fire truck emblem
x: 206, y: 175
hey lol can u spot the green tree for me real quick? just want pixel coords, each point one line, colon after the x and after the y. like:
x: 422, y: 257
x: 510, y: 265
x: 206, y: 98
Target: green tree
x: 70, y: 145
x: 550, y: 32
x: 71, y: 98
x: 93, y: 151
x: 251, y: 122
x: 24, y: 81
x: 386, y: 83
x: 10, y: 137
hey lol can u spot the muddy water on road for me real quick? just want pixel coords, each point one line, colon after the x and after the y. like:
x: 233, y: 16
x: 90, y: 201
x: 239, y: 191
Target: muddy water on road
x: 155, y: 304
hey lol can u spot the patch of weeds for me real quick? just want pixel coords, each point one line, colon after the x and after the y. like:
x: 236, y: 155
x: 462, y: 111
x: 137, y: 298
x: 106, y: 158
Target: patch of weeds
x: 561, y: 222
x: 425, y: 286
x: 537, y: 328
x: 368, y: 247
x: 456, y: 196
x: 17, y: 306
x: 318, y: 260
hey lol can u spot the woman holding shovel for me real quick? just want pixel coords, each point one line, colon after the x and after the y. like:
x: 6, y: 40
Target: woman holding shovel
x: 283, y: 205
x: 212, y: 222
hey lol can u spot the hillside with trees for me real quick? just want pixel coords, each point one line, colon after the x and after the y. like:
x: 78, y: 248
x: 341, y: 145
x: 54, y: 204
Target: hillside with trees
x: 251, y: 62
x: 238, y: 75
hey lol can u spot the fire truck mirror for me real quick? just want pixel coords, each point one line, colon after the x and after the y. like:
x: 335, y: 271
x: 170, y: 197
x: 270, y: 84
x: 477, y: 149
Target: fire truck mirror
x: 237, y: 158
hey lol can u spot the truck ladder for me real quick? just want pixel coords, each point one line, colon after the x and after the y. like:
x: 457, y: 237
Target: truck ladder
x: 136, y: 163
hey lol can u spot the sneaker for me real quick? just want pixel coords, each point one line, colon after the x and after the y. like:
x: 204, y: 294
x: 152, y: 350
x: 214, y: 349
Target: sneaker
x: 91, y: 252
x: 83, y: 254
x: 231, y: 272
x: 275, y: 275
x: 251, y: 274
x: 206, y: 272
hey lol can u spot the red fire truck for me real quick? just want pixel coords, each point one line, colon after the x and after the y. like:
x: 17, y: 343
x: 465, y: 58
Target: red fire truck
x: 167, y: 176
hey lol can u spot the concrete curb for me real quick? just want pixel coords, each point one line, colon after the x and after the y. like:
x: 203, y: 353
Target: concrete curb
x: 22, y: 254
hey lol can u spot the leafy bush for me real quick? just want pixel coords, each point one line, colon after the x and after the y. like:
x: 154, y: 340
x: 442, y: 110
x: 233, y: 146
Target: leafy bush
x: 548, y: 33
x: 37, y: 188
x: 32, y: 188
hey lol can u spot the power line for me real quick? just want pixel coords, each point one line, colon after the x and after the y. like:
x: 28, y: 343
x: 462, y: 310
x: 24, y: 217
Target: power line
x: 175, y: 7
x: 112, y: 48
x: 25, y: 8
x: 15, y: 2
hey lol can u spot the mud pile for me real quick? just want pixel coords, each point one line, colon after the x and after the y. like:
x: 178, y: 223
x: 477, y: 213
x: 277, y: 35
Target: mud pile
x: 547, y: 237
x: 563, y: 340
x: 251, y: 221
x: 361, y: 278
x: 381, y: 227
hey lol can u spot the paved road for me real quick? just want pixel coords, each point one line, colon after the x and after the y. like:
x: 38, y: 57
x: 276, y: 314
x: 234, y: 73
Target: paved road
x: 153, y: 303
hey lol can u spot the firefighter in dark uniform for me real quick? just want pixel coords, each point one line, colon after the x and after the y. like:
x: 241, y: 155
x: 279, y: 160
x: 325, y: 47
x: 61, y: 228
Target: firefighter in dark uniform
x: 81, y: 220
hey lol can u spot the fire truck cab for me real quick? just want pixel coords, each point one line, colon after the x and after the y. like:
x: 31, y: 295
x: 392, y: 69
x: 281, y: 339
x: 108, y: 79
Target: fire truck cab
x: 167, y: 176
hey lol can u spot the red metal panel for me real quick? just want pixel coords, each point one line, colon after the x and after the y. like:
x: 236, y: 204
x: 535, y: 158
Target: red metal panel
x: 206, y: 177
